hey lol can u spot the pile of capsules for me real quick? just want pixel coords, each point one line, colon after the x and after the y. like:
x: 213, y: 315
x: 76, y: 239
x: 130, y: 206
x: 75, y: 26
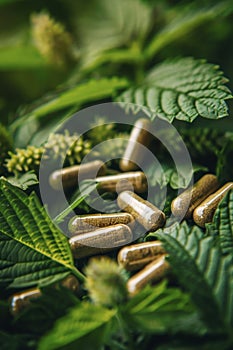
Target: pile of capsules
x: 100, y: 233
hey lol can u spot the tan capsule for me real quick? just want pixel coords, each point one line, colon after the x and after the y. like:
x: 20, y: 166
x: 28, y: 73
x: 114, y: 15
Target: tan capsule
x: 143, y: 211
x: 187, y: 201
x: 84, y: 223
x: 68, y: 177
x: 204, y: 213
x: 153, y: 272
x: 102, y: 240
x: 135, y: 181
x: 136, y: 256
x: 21, y: 300
x: 134, y: 153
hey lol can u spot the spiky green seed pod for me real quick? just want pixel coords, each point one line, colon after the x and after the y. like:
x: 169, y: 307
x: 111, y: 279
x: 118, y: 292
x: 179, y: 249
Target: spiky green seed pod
x: 5, y: 146
x: 24, y: 160
x: 71, y: 148
x: 51, y: 39
x: 105, y: 282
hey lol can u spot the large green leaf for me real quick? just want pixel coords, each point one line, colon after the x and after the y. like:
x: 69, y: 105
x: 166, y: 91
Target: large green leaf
x: 222, y: 225
x: 182, y: 89
x: 32, y: 249
x: 84, y: 327
x: 203, y: 271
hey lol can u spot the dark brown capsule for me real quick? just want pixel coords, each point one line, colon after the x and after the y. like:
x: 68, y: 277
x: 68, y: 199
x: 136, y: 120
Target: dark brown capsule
x: 100, y: 241
x: 84, y: 223
x: 134, y: 153
x: 153, y: 272
x: 143, y: 211
x: 21, y: 300
x: 68, y: 177
x: 204, y: 213
x: 136, y: 256
x: 187, y: 201
x: 135, y: 181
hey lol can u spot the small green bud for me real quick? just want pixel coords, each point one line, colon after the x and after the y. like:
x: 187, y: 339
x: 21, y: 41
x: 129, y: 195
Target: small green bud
x: 5, y: 146
x: 105, y: 282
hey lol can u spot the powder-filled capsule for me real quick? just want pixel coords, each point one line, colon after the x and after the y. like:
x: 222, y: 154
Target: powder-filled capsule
x: 136, y: 256
x: 68, y: 177
x: 143, y: 211
x: 135, y: 181
x: 102, y: 240
x: 84, y: 223
x: 21, y: 300
x: 204, y: 213
x: 134, y: 153
x: 187, y: 201
x: 153, y: 272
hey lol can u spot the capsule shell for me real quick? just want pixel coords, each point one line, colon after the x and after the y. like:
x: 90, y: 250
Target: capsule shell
x: 68, y: 177
x: 21, y: 300
x: 135, y: 181
x: 153, y: 272
x: 143, y: 211
x: 204, y: 213
x: 187, y: 201
x: 102, y: 240
x: 134, y: 154
x: 136, y: 256
x: 85, y: 223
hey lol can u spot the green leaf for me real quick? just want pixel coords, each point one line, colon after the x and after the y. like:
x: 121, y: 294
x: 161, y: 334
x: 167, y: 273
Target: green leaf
x: 170, y: 176
x: 32, y: 248
x: 186, y: 20
x: 183, y: 89
x: 203, y: 271
x: 153, y: 310
x: 25, y: 181
x: 108, y: 26
x: 20, y: 57
x: 222, y: 224
x: 83, y: 327
x: 87, y: 186
x: 26, y: 126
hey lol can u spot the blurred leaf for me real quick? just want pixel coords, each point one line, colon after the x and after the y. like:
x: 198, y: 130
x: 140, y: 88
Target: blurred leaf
x: 25, y: 181
x: 83, y: 327
x: 20, y: 57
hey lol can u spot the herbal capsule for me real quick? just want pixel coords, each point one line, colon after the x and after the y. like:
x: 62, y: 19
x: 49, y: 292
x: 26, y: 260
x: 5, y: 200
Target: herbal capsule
x: 136, y: 256
x: 204, y: 213
x: 20, y: 301
x: 153, y: 272
x: 68, y: 177
x: 143, y: 211
x: 121, y: 182
x: 100, y: 241
x: 85, y: 223
x: 187, y: 201
x: 134, y: 153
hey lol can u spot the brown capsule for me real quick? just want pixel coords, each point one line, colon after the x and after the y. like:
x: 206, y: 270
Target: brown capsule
x: 134, y: 153
x: 84, y: 223
x: 135, y: 181
x: 102, y: 240
x: 68, y: 177
x: 143, y: 211
x: 136, y: 256
x: 21, y: 300
x: 187, y: 201
x: 204, y: 213
x: 153, y: 272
